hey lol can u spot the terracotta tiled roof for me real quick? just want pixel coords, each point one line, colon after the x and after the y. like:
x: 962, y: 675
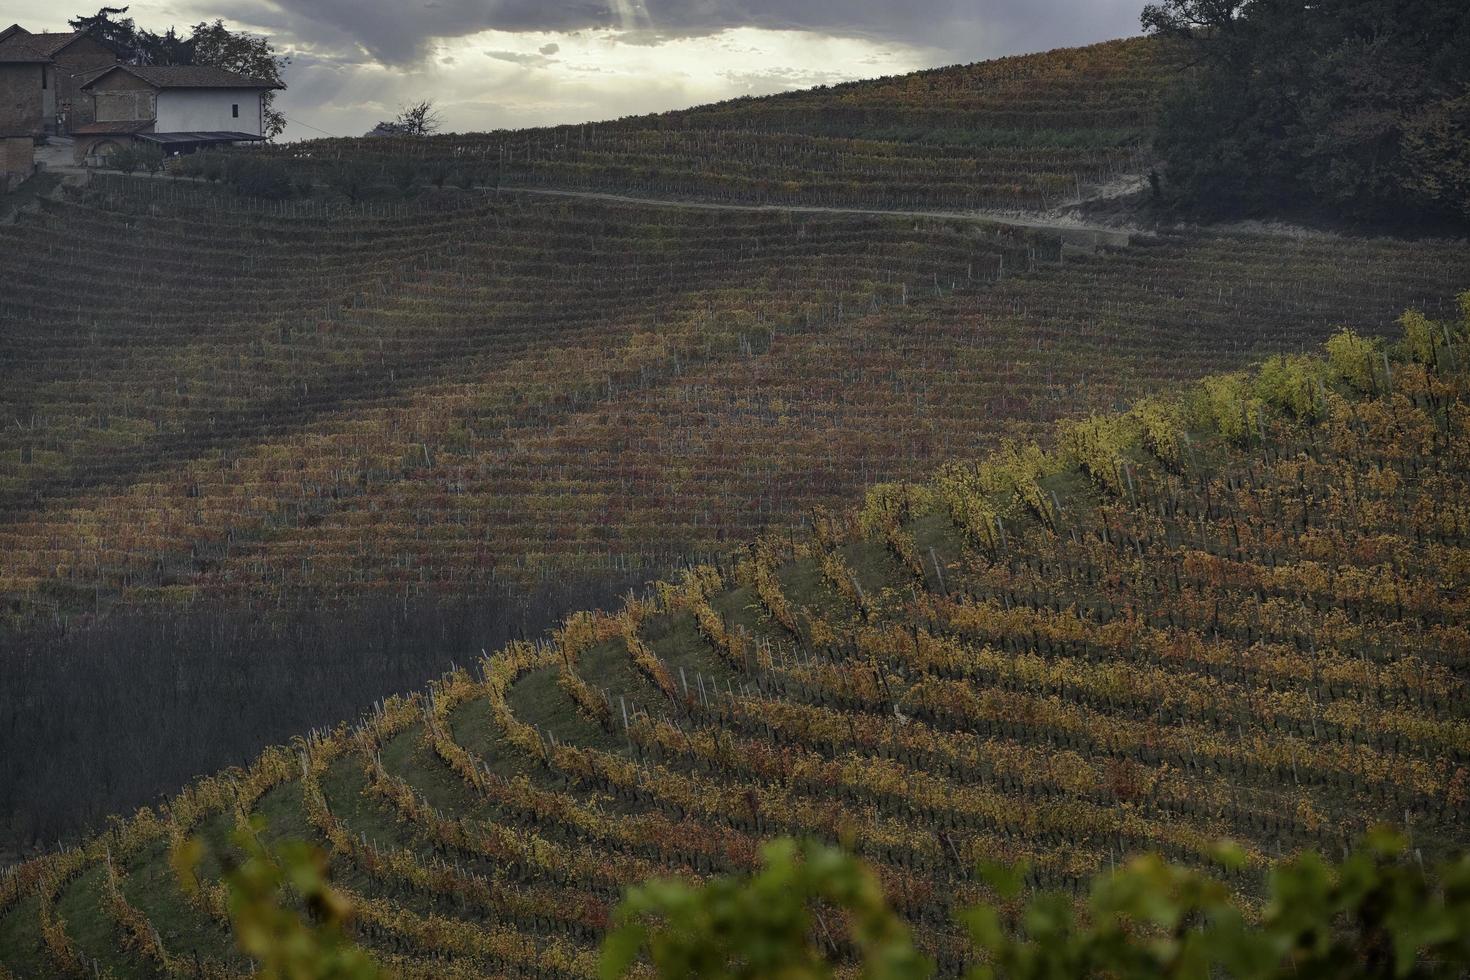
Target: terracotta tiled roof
x: 92, y: 73
x: 18, y: 49
x: 189, y: 76
x: 52, y: 43
x: 16, y: 39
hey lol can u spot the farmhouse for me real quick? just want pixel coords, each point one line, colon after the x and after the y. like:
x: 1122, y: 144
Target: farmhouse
x: 180, y: 109
x: 23, y: 77
x: 41, y: 77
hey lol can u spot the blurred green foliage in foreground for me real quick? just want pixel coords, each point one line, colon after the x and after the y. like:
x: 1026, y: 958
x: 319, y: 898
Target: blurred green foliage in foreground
x: 1380, y: 913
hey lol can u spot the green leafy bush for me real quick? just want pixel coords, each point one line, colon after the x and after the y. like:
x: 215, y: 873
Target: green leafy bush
x: 1162, y: 428
x: 1351, y: 357
x: 1419, y: 336
x: 1377, y: 914
x: 764, y: 926
x: 263, y: 888
x: 254, y: 176
x: 135, y: 157
x: 1099, y: 445
x: 351, y: 179
x: 1291, y: 383
x: 1358, y: 107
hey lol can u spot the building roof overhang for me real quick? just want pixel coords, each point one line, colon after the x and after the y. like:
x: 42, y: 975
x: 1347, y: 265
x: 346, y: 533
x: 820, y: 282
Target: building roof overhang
x: 199, y: 138
x: 18, y: 49
x: 54, y: 44
x: 188, y: 77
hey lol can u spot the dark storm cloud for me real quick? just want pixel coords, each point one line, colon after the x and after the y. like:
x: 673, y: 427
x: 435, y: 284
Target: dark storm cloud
x: 397, y: 33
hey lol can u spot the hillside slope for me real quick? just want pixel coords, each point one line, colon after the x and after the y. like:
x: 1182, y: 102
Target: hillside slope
x: 1015, y: 133
x: 430, y: 396
x: 292, y: 456
x: 1240, y: 612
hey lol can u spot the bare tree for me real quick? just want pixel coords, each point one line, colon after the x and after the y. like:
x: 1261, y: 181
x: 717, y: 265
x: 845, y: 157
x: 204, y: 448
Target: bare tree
x: 420, y: 119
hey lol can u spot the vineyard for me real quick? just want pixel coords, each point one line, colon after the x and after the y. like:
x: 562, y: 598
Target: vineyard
x: 423, y: 399
x: 384, y: 431
x: 1236, y: 611
x: 1016, y: 133
x: 286, y: 430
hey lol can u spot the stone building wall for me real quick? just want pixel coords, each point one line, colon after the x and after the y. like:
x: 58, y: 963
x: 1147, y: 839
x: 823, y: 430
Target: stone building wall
x: 121, y: 97
x: 76, y: 64
x: 21, y: 107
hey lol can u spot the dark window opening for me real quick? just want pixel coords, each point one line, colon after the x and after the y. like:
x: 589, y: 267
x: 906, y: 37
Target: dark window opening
x: 235, y: 111
x: 45, y: 79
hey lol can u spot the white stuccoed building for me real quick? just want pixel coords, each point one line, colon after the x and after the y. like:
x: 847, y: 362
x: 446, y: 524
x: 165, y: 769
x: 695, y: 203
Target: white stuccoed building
x: 180, y: 109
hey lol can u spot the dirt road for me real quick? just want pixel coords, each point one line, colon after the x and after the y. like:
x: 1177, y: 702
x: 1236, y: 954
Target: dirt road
x: 1076, y: 232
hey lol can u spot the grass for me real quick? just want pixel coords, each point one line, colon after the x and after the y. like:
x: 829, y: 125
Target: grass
x: 152, y: 888
x: 874, y: 566
x: 741, y: 608
x: 803, y: 583
x: 537, y: 700
x: 21, y: 949
x: 80, y: 906
x: 676, y: 640
x: 343, y: 785
x: 473, y: 726
x: 284, y: 814
x: 407, y: 757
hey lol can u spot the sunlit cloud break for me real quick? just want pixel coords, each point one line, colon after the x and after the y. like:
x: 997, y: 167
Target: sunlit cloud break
x: 631, y: 14
x: 512, y: 63
x: 507, y: 79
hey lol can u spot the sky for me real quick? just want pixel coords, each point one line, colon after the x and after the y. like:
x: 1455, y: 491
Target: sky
x: 492, y: 64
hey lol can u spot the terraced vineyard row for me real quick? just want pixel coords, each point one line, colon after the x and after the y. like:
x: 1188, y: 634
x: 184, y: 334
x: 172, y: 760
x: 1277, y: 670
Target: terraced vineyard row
x: 1241, y: 613
x: 513, y: 388
x: 1022, y: 132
